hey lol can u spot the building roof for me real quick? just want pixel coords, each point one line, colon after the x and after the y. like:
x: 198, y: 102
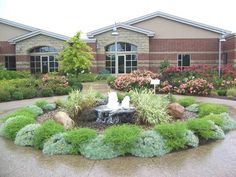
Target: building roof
x: 120, y: 25
x: 128, y: 24
x: 18, y: 25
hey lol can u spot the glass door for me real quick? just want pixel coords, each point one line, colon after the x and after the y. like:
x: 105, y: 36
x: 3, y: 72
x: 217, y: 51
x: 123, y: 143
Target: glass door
x: 44, y: 64
x: 121, y: 64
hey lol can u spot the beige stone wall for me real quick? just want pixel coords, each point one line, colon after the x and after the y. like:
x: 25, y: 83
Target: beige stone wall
x: 168, y: 29
x: 138, y: 39
x: 7, y: 32
x: 23, y: 47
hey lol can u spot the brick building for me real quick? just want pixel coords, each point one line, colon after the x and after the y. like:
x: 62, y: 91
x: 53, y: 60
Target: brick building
x: 142, y: 43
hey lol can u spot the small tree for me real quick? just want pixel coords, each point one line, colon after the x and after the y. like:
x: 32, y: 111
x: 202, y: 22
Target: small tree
x: 76, y: 56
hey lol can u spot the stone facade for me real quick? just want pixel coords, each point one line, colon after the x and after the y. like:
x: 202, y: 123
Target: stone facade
x: 23, y: 47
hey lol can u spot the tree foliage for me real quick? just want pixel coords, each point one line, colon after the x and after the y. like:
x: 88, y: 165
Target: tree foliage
x: 76, y: 56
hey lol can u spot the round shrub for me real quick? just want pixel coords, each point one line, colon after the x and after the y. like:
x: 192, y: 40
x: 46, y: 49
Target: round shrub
x: 49, y: 107
x: 122, y: 137
x: 192, y: 108
x: 11, y: 129
x: 229, y: 123
x: 46, y: 92
x: 17, y: 95
x: 192, y: 140
x: 216, y: 118
x: 56, y: 145
x: 2, y: 127
x: 174, y: 134
x: 4, y: 95
x: 62, y: 90
x: 77, y: 137
x: 96, y: 149
x: 75, y: 84
x: 28, y: 92
x: 187, y: 101
x: 208, y: 108
x: 45, y: 131
x: 205, y: 129
x: 41, y: 103
x: 24, y: 137
x: 37, y: 110
x: 231, y: 92
x: 149, y: 144
x: 21, y: 112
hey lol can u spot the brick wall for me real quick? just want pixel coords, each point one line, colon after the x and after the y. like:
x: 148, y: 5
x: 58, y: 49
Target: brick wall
x: 6, y: 48
x: 23, y: 62
x: 229, y: 47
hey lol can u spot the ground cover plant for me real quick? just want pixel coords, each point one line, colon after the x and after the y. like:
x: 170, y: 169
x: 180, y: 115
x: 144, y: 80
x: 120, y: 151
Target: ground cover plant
x: 208, y: 108
x: 187, y: 101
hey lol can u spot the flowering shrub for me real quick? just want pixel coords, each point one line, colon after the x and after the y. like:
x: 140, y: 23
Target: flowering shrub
x: 136, y: 79
x: 195, y: 87
x: 54, y: 81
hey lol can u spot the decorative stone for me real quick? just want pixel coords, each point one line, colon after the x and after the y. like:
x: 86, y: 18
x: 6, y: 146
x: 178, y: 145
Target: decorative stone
x: 64, y: 119
x: 175, y: 110
x: 106, y: 115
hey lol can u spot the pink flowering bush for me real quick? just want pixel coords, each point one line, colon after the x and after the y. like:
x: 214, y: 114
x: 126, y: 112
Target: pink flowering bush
x: 137, y: 79
x: 195, y: 87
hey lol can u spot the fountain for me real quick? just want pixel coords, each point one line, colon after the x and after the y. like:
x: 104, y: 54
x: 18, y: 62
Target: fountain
x: 113, y: 112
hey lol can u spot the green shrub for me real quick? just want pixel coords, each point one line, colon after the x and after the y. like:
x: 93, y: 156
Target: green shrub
x: 41, y: 103
x: 45, y: 131
x: 150, y: 109
x: 62, y: 90
x: 77, y: 102
x: 3, y: 125
x: 75, y: 84
x: 49, y: 107
x: 56, y: 145
x: 122, y: 137
x: 213, y: 92
x: 37, y: 110
x: 216, y: 118
x: 208, y: 108
x: 174, y: 134
x: 192, y: 140
x: 21, y: 112
x: 231, y: 92
x: 28, y: 92
x: 205, y: 129
x: 164, y: 64
x: 11, y: 129
x: 17, y: 95
x: 149, y: 144
x: 47, y: 92
x: 87, y: 77
x: 8, y: 74
x: 4, y: 95
x: 77, y: 137
x: 221, y: 92
x: 111, y: 79
x: 24, y: 137
x: 192, y: 108
x: 229, y: 123
x: 96, y: 149
x: 186, y: 101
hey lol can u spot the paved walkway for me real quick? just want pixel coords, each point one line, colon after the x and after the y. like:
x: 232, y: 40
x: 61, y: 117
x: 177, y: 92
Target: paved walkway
x: 216, y: 159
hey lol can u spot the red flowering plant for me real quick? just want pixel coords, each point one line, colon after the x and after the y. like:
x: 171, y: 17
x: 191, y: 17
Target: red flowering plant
x: 164, y: 87
x: 136, y: 79
x: 195, y: 87
x: 54, y: 81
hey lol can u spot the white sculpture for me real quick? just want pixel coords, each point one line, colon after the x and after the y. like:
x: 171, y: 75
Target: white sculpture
x: 113, y: 101
x: 125, y: 102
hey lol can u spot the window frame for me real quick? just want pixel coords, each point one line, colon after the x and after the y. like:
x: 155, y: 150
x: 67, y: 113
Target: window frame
x: 7, y: 62
x: 181, y: 60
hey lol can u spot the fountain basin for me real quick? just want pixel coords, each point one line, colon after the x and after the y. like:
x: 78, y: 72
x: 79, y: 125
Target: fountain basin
x: 106, y: 115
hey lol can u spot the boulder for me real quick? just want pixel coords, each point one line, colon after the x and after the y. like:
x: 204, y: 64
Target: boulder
x: 175, y: 110
x: 64, y: 119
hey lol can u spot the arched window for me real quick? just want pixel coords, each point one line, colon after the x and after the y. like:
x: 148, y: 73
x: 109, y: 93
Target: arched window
x: 121, y: 47
x: 126, y: 60
x: 43, y: 49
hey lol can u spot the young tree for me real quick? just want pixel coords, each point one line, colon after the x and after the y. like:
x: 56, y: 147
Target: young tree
x: 76, y: 56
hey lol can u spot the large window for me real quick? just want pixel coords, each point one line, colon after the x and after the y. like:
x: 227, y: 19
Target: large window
x: 10, y: 62
x: 43, y: 64
x: 183, y: 60
x: 126, y: 58
x: 43, y: 49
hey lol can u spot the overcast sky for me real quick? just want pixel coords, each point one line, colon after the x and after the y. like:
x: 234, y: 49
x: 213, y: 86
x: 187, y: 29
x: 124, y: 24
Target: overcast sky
x: 69, y: 16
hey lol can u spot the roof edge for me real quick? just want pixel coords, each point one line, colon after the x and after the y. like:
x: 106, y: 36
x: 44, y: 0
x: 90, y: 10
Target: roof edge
x: 18, y: 25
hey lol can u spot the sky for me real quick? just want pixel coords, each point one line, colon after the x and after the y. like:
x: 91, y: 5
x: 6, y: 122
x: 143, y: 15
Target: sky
x: 69, y: 16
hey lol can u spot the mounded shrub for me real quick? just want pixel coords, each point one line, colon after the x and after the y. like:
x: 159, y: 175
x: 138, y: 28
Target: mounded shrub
x: 86, y: 77
x: 186, y: 101
x: 231, y: 92
x: 205, y: 129
x: 216, y: 118
x: 192, y: 108
x: 17, y: 95
x: 2, y: 127
x: 96, y: 149
x: 229, y: 123
x: 122, y: 137
x: 75, y: 84
x: 56, y: 145
x: 4, y: 95
x: 49, y: 107
x: 25, y: 136
x: 192, y: 140
x: 45, y: 131
x: 41, y: 103
x: 62, y: 90
x: 28, y: 92
x: 149, y: 144
x: 8, y: 74
x: 174, y: 134
x: 37, y: 110
x: 221, y: 92
x: 47, y: 92
x: 78, y: 137
x: 208, y: 108
x: 11, y: 129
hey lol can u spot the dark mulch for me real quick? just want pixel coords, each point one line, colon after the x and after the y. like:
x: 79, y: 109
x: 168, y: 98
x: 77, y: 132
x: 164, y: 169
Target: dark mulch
x: 47, y: 116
